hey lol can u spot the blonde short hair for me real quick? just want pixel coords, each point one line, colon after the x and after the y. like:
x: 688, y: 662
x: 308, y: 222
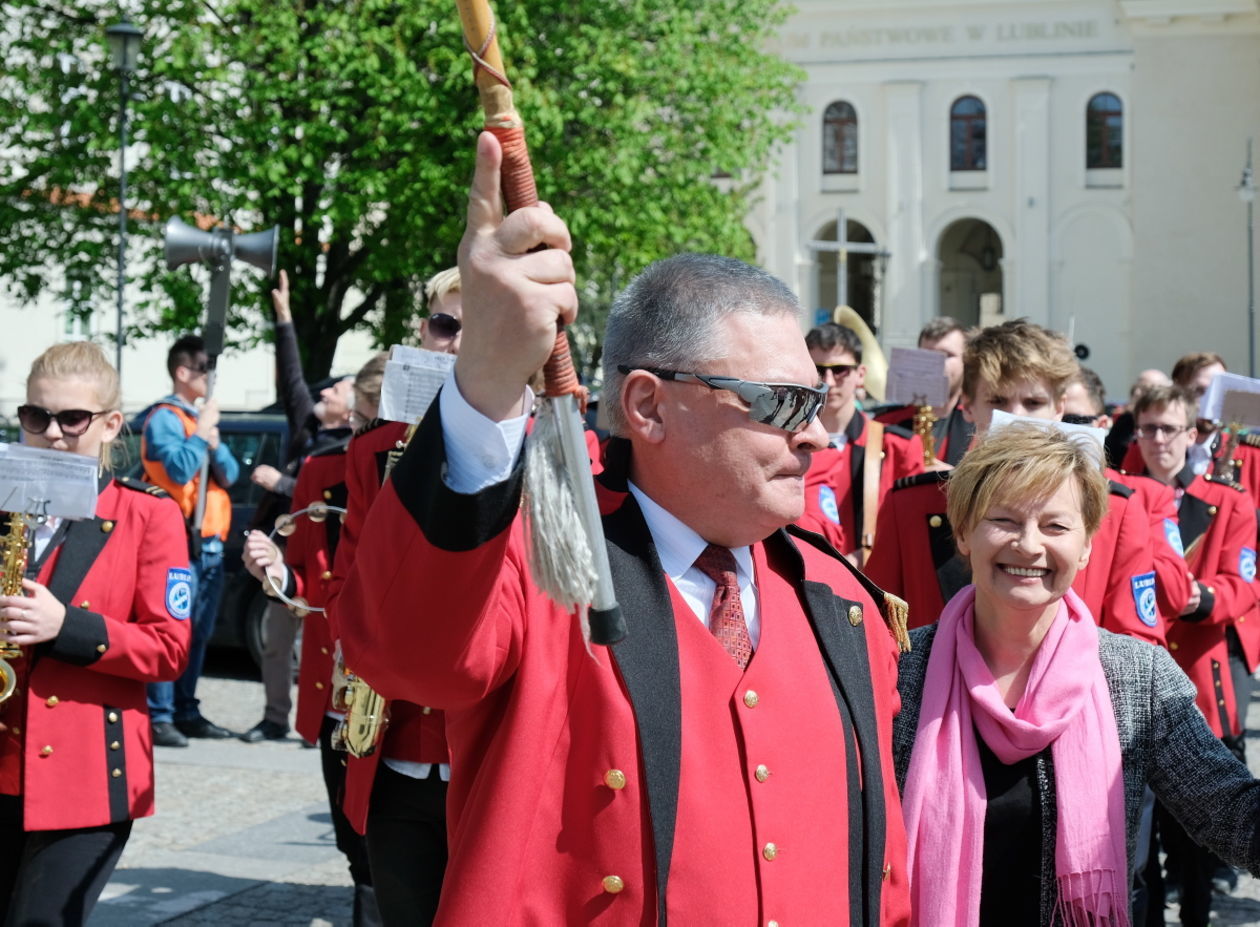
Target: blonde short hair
x: 80, y: 360
x: 1024, y: 461
x: 441, y: 283
x: 1016, y: 351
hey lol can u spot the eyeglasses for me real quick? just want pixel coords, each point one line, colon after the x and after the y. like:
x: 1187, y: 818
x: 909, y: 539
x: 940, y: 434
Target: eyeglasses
x: 1164, y: 431
x: 443, y: 325
x: 72, y: 422
x: 839, y: 371
x: 789, y: 406
x: 201, y: 368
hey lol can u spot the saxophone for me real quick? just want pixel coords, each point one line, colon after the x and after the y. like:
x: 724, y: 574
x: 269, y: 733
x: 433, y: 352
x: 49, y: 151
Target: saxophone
x: 367, y: 712
x: 923, y: 422
x: 13, y: 554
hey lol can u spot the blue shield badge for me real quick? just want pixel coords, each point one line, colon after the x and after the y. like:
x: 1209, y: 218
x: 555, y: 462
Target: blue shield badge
x: 179, y: 593
x: 827, y: 502
x: 1173, y: 534
x: 1144, y: 598
x: 1247, y: 564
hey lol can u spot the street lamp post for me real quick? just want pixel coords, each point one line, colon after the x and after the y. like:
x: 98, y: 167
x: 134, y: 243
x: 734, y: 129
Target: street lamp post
x: 124, y: 46
x: 1247, y: 193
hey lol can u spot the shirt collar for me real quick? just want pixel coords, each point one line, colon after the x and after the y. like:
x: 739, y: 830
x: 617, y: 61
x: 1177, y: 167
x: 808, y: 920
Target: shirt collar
x: 677, y: 545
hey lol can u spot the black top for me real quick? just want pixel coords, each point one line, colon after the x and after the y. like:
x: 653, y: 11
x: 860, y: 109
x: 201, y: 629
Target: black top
x: 1010, y: 886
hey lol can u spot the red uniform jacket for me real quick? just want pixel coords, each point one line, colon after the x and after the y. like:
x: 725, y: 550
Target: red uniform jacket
x: 833, y: 484
x: 415, y: 733
x: 1172, y: 584
x: 309, y: 554
x: 78, y: 727
x: 572, y: 772
x: 915, y: 558
x: 1217, y: 519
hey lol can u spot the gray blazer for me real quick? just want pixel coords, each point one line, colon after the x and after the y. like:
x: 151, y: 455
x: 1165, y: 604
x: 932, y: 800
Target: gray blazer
x: 1164, y: 743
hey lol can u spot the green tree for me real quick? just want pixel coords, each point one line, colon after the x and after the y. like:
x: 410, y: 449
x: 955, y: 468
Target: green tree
x: 349, y: 123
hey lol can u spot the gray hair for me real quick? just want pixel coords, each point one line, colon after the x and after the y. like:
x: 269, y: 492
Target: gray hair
x: 668, y: 317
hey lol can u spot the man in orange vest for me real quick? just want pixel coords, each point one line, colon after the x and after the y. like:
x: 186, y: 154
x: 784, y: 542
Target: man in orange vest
x: 177, y: 437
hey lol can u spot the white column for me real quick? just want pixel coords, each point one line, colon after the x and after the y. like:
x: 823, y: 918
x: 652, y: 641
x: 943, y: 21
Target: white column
x: 905, y: 303
x: 1028, y: 291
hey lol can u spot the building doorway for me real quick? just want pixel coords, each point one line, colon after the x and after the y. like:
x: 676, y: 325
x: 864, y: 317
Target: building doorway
x: 970, y: 255
x: 865, y: 272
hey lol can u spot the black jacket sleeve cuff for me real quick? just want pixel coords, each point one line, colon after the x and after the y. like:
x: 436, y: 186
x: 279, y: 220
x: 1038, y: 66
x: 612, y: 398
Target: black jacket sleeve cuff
x: 1207, y: 599
x: 83, y: 638
x: 449, y: 520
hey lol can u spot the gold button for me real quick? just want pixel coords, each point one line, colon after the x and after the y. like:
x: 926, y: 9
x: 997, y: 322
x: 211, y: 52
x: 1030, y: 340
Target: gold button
x: 113, y: 717
x: 772, y: 924
x: 855, y: 615
x: 615, y: 779
x: 52, y: 701
x: 1210, y: 590
x: 1173, y: 645
x: 887, y: 870
x: 115, y: 745
x: 45, y: 751
x: 85, y: 604
x: 17, y: 731
x: 613, y: 884
x: 762, y: 773
x: 327, y: 574
x: 935, y: 521
x: 426, y: 710
x: 1220, y: 701
x: 1218, y: 683
x: 1242, y: 617
x: 107, y: 526
x: 327, y: 493
x: 1212, y: 510
x: 101, y: 648
x: 116, y: 773
x: 324, y: 651
x: 751, y: 698
x: 319, y: 685
x: 769, y: 851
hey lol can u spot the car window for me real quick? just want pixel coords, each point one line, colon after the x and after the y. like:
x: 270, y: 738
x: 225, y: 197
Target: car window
x: 251, y: 449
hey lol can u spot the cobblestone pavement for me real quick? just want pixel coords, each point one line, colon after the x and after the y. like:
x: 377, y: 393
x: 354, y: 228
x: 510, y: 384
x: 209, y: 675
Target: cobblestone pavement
x: 242, y: 834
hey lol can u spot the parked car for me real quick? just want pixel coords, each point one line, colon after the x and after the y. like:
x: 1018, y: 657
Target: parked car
x: 254, y: 438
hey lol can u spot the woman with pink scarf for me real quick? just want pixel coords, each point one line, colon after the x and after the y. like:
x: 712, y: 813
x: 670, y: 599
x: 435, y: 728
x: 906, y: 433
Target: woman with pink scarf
x: 1027, y: 733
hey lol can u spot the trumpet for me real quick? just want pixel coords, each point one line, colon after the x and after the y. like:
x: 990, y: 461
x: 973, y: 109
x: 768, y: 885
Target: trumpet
x: 13, y: 556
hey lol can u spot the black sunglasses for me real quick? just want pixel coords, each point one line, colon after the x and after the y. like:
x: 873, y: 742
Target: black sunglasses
x: 789, y: 406
x: 72, y: 422
x: 839, y: 371
x: 203, y: 367
x: 443, y: 325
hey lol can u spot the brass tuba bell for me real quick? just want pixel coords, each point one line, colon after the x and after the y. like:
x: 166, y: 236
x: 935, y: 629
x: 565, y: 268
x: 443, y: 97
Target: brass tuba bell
x: 872, y: 354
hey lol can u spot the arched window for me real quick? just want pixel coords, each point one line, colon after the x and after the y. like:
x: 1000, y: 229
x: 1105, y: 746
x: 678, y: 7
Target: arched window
x: 840, y: 139
x: 967, y: 135
x: 1104, y: 131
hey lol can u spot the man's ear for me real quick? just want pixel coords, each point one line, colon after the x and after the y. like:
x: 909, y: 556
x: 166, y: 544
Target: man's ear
x: 641, y: 396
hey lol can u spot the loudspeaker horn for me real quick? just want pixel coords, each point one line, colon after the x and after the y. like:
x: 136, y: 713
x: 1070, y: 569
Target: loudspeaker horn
x: 259, y: 249
x: 186, y: 244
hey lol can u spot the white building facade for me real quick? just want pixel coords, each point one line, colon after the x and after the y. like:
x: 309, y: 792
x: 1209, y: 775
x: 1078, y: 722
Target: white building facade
x: 1075, y: 162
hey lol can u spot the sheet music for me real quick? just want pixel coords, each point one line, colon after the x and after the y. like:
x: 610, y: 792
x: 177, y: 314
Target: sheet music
x: 1240, y: 407
x: 412, y: 379
x: 917, y: 378
x: 46, y: 482
x: 1211, y: 405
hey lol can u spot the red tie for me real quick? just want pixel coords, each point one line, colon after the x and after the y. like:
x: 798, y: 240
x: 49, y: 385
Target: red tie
x: 726, y: 617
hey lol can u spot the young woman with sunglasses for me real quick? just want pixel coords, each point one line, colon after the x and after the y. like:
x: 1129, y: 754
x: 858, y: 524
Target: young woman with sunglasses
x: 103, y: 610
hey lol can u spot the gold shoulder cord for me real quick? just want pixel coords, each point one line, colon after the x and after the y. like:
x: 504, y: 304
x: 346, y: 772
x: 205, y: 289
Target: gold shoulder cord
x: 897, y: 614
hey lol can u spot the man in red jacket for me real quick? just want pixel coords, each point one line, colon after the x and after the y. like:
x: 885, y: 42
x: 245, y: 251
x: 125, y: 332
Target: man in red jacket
x: 729, y: 761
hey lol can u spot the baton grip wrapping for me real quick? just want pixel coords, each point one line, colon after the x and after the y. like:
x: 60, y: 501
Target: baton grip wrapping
x: 608, y: 625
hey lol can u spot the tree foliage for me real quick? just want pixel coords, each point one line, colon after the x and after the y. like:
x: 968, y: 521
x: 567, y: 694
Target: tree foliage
x: 350, y: 124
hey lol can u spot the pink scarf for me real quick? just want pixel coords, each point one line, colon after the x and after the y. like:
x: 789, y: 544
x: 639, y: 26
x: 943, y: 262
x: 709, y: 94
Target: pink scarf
x: 1065, y: 706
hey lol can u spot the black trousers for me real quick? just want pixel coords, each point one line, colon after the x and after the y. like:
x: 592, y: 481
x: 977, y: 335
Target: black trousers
x: 50, y: 878
x: 406, y: 840
x: 350, y: 843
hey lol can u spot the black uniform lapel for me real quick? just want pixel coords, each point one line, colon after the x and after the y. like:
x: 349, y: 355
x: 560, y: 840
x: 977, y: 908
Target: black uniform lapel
x: 857, y: 465
x: 843, y: 646
x: 647, y: 660
x: 1194, y: 517
x: 334, y: 495
x: 956, y: 436
x: 951, y: 571
x: 84, y: 541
